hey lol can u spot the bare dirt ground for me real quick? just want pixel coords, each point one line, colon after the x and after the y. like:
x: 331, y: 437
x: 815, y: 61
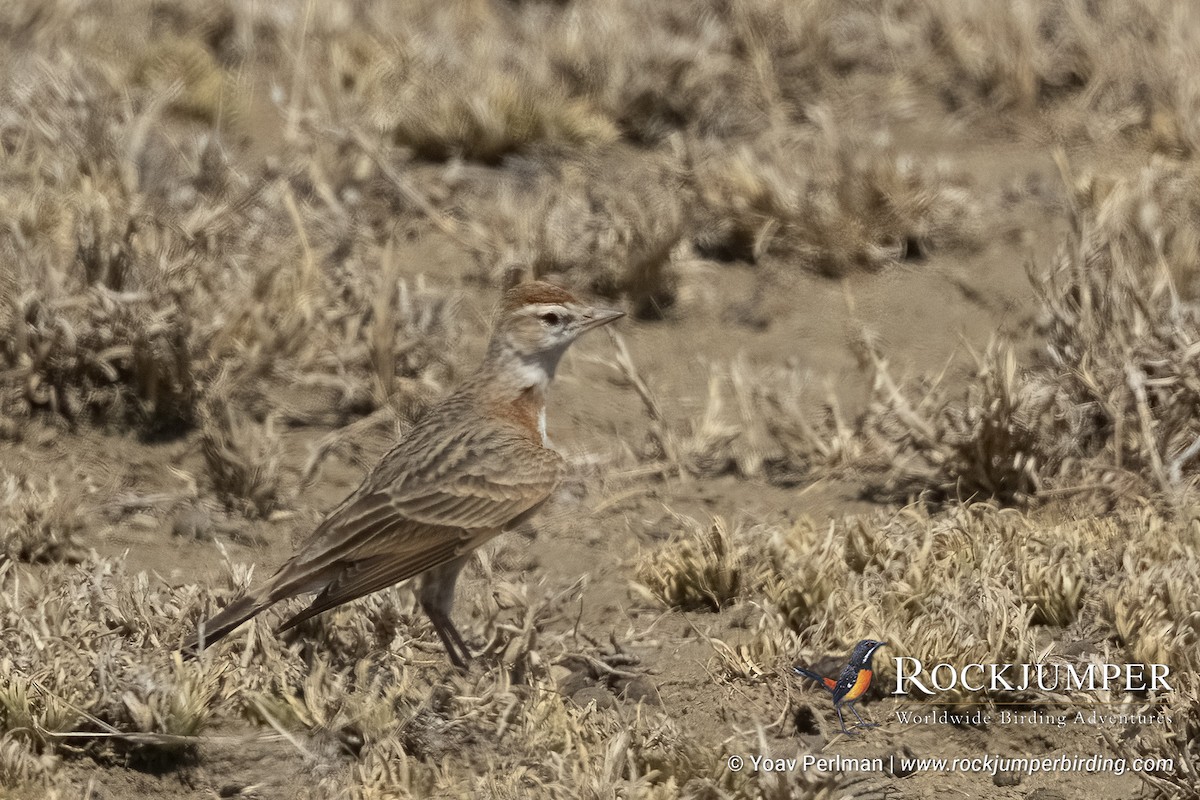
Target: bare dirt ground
x: 607, y: 669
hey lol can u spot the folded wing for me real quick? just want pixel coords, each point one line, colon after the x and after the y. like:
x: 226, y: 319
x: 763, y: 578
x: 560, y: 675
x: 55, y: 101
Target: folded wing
x: 396, y: 526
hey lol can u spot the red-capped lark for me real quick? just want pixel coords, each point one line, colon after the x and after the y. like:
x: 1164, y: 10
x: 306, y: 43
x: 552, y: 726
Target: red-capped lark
x: 470, y: 468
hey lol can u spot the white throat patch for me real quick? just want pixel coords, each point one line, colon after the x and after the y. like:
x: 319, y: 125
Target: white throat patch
x: 532, y: 373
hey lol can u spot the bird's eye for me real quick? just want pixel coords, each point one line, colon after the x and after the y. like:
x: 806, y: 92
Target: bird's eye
x: 550, y: 318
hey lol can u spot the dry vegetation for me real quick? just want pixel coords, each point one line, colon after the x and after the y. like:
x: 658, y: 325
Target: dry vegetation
x: 201, y: 210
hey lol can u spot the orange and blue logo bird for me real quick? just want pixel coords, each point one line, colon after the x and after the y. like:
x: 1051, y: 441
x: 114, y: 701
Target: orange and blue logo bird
x: 852, y: 683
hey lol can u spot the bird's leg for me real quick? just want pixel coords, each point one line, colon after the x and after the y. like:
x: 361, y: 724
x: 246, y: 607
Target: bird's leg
x: 862, y: 722
x: 838, y: 707
x: 456, y: 648
x: 437, y: 598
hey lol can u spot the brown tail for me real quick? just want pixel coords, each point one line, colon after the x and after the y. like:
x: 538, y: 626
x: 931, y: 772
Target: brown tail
x: 224, y: 622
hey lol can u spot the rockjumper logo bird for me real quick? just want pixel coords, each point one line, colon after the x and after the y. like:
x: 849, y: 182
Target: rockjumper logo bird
x: 851, y: 684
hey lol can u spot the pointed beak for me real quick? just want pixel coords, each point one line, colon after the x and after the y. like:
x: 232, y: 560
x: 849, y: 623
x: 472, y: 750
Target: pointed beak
x: 595, y: 317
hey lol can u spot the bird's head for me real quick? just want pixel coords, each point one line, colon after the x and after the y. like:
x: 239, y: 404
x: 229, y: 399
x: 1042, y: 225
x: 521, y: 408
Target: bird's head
x: 865, y: 650
x: 537, y: 322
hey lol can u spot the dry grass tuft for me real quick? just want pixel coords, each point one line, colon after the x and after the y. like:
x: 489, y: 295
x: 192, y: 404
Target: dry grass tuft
x: 102, y: 356
x: 754, y: 424
x: 241, y: 458
x: 90, y: 662
x: 1176, y: 742
x: 187, y: 71
x: 1121, y: 319
x: 22, y: 768
x: 757, y: 423
x: 92, y: 669
x: 611, y: 222
x: 698, y: 569
x: 1094, y: 71
x: 1154, y: 607
x: 452, y: 87
x: 1002, y: 438
x: 37, y: 524
x: 1151, y: 604
x: 1055, y: 570
x: 504, y: 114
x: 829, y: 201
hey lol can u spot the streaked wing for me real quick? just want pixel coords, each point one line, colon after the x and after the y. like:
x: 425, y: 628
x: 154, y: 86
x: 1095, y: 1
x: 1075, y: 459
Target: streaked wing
x: 371, y: 574
x: 471, y: 481
x: 407, y: 514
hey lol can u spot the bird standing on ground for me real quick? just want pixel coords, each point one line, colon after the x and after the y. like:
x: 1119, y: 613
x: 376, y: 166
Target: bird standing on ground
x: 470, y: 468
x: 852, y: 683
